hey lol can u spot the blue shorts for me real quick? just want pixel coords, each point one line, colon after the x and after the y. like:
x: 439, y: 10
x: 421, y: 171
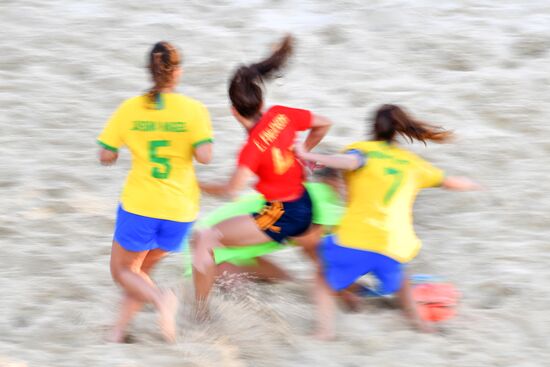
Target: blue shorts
x: 140, y: 233
x: 283, y: 219
x: 342, y: 266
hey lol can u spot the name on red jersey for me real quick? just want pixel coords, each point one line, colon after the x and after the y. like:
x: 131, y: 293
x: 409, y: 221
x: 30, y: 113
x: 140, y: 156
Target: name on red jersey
x: 271, y: 132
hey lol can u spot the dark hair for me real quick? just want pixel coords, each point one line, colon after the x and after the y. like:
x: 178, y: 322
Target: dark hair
x: 163, y: 60
x: 391, y: 120
x: 245, y: 87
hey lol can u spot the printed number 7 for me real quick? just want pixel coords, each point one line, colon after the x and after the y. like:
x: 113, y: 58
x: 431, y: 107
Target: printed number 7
x: 156, y: 172
x: 397, y: 179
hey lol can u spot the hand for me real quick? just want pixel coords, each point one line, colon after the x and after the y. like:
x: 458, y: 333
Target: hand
x: 299, y: 149
x: 472, y: 185
x: 461, y: 184
x: 107, y: 157
x: 300, y: 152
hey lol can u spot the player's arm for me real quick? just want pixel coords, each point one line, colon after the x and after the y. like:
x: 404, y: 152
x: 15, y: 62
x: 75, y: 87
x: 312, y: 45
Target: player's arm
x: 349, y: 161
x: 230, y: 188
x: 107, y: 157
x: 459, y: 183
x: 202, y: 137
x: 110, y: 140
x: 319, y: 128
x: 431, y: 176
x: 203, y: 153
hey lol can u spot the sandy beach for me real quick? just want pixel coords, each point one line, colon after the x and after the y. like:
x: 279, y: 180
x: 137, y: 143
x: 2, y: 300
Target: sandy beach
x: 480, y: 68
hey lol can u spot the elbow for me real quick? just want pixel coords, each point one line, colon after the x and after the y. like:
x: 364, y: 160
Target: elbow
x: 323, y: 122
x: 204, y: 159
x: 203, y: 154
x: 107, y: 157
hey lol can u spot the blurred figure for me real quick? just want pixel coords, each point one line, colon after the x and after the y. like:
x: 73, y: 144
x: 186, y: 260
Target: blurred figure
x: 376, y: 234
x: 267, y: 155
x: 327, y: 211
x: 163, y: 131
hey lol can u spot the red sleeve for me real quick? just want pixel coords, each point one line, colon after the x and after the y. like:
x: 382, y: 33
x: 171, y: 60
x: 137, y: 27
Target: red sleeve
x: 301, y: 119
x: 249, y: 157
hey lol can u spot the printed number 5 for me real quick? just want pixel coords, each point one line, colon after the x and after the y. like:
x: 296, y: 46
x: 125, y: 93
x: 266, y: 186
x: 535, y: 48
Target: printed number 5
x: 397, y: 179
x: 156, y: 172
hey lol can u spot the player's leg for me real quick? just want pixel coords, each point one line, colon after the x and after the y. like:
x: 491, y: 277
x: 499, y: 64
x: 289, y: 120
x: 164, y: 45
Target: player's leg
x: 237, y: 231
x: 130, y: 305
x: 264, y: 270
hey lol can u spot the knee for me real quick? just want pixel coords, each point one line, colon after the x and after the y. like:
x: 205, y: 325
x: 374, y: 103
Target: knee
x: 117, y: 270
x: 194, y: 240
x: 203, y: 237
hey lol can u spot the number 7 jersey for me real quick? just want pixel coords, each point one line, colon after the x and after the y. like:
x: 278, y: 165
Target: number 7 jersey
x: 381, y: 195
x: 161, y: 138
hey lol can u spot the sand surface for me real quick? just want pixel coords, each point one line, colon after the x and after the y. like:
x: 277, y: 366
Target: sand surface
x: 481, y: 68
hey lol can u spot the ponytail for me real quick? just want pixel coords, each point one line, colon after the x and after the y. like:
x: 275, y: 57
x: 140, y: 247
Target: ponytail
x: 245, y: 87
x: 265, y: 69
x: 163, y: 60
x: 392, y: 119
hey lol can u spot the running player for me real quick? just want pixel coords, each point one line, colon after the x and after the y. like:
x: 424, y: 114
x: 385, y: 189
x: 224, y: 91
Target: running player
x: 376, y: 233
x: 327, y: 210
x: 163, y: 131
x: 268, y: 155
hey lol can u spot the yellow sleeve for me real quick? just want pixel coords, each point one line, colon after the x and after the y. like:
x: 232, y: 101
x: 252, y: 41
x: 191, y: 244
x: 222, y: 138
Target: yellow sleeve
x: 201, y: 129
x: 111, y: 138
x: 429, y: 175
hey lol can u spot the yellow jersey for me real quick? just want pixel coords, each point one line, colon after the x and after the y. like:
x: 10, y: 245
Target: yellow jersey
x: 161, y: 138
x: 381, y: 194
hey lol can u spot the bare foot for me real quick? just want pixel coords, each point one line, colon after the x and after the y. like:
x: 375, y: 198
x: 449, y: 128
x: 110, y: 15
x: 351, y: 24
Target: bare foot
x: 167, y: 316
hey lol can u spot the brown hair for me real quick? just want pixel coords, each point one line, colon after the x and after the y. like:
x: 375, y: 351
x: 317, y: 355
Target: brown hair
x: 245, y: 87
x: 163, y: 60
x: 391, y: 120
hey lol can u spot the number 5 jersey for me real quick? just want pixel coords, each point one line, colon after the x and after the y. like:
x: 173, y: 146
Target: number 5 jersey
x: 161, y: 138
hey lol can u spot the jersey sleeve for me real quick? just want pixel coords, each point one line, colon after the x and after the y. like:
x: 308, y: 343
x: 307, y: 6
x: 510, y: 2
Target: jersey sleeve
x: 201, y: 130
x: 111, y: 136
x: 429, y: 175
x: 301, y: 119
x: 249, y: 157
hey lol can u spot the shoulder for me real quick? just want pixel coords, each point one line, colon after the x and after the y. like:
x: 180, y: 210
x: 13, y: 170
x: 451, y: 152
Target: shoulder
x: 277, y: 108
x: 415, y: 160
x: 301, y: 119
x: 364, y: 146
x: 132, y: 102
x: 290, y: 111
x: 407, y: 154
x: 187, y: 101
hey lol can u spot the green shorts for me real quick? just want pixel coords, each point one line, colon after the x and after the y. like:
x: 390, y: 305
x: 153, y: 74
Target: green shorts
x: 327, y: 211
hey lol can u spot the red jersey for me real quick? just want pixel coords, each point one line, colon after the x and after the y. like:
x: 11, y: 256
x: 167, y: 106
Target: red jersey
x: 268, y: 152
